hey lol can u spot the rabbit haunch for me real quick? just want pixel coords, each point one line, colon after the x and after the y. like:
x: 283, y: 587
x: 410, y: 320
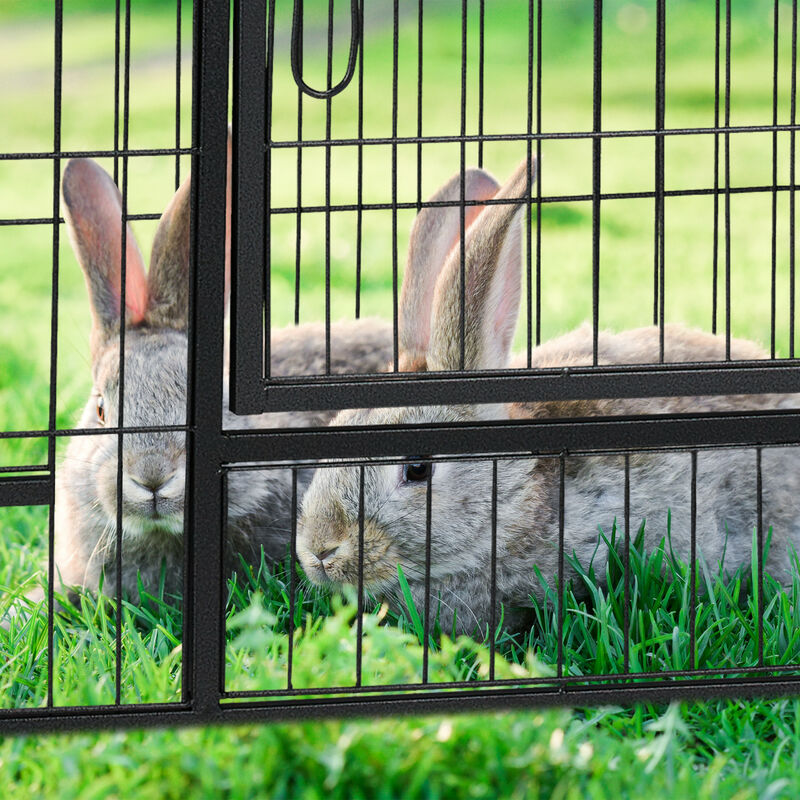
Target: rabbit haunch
x: 528, y: 490
x: 155, y: 391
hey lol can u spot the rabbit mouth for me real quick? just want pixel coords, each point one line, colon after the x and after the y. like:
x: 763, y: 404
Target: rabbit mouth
x: 343, y: 570
x: 330, y: 555
x: 155, y: 525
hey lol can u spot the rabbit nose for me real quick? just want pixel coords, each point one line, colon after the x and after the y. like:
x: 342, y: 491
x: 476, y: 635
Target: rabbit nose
x: 148, y: 483
x: 325, y: 555
x: 152, y: 482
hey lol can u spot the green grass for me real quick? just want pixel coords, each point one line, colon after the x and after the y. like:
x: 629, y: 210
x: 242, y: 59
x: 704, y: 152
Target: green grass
x: 691, y: 748
x: 718, y: 749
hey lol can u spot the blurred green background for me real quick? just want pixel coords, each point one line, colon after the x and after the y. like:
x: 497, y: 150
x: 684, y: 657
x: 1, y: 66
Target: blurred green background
x: 628, y: 165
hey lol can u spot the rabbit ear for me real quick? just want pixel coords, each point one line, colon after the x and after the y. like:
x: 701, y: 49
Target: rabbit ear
x: 169, y: 264
x: 493, y: 270
x: 93, y: 211
x: 435, y: 232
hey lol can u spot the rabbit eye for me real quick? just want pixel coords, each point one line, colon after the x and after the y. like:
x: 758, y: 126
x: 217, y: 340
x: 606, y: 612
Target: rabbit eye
x: 101, y: 410
x: 414, y: 473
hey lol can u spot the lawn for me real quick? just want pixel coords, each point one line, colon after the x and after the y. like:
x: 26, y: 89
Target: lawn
x: 701, y: 750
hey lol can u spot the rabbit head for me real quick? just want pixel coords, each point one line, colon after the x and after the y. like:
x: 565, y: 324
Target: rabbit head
x: 155, y: 368
x: 155, y: 391
x: 393, y: 516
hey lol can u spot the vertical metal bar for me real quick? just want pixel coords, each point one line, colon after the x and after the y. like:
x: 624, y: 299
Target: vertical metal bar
x: 626, y: 591
x: 267, y: 195
x: 177, y: 93
x: 292, y: 580
x: 419, y: 102
x: 528, y: 221
x: 774, y: 242
x: 360, y: 175
x: 248, y: 361
x: 360, y: 617
x: 223, y: 661
x: 126, y: 94
x: 299, y: 218
x: 561, y: 588
x: 493, y: 600
x: 727, y: 140
x: 204, y: 634
x: 760, y: 556
x: 481, y: 69
x: 186, y: 660
x: 597, y: 90
x: 395, y: 275
x: 792, y: 122
x: 462, y: 196
x: 52, y: 415
x: 426, y: 627
x: 539, y: 173
x: 715, y: 254
x: 658, y: 245
x: 693, y: 570
x: 117, y: 52
x: 328, y: 108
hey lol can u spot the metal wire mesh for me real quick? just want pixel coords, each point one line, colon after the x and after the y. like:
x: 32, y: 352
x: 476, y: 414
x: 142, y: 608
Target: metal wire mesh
x: 274, y: 43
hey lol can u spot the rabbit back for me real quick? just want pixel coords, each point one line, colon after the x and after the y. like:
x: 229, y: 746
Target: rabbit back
x: 660, y: 483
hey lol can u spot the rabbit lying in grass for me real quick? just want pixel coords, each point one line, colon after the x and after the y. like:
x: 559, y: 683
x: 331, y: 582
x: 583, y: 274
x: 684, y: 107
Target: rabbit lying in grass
x: 155, y: 390
x: 394, y: 510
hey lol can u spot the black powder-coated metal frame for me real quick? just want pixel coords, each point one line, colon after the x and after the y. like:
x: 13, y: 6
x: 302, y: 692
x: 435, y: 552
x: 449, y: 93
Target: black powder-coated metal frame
x: 255, y: 390
x: 213, y: 453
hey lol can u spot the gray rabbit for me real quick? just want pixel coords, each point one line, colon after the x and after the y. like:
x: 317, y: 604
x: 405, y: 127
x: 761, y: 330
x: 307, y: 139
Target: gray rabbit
x: 155, y: 391
x: 394, y: 510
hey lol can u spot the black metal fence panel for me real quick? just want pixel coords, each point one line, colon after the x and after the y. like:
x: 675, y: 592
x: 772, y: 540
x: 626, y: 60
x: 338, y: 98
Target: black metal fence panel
x: 358, y: 443
x: 386, y: 163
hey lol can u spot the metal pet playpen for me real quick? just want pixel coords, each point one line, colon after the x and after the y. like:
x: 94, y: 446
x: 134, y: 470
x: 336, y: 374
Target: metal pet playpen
x: 350, y: 125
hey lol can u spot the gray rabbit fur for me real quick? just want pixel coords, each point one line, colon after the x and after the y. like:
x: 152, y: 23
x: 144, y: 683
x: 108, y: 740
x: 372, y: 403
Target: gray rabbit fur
x: 528, y: 489
x: 155, y: 390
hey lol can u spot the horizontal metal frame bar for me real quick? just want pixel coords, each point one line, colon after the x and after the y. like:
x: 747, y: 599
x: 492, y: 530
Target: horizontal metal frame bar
x: 60, y: 220
x: 15, y: 468
x: 525, y: 137
x: 686, y: 431
x: 30, y: 490
x: 617, y: 692
x: 495, y: 456
x: 563, y: 198
x: 569, y: 681
x: 108, y: 153
x: 93, y: 431
x: 23, y: 721
x: 567, y: 383
x: 74, y: 718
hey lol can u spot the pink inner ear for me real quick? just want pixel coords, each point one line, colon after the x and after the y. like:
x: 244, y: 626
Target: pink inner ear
x: 471, y: 213
x: 479, y: 186
x: 136, y: 293
x: 135, y: 281
x: 94, y: 212
x: 107, y: 203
